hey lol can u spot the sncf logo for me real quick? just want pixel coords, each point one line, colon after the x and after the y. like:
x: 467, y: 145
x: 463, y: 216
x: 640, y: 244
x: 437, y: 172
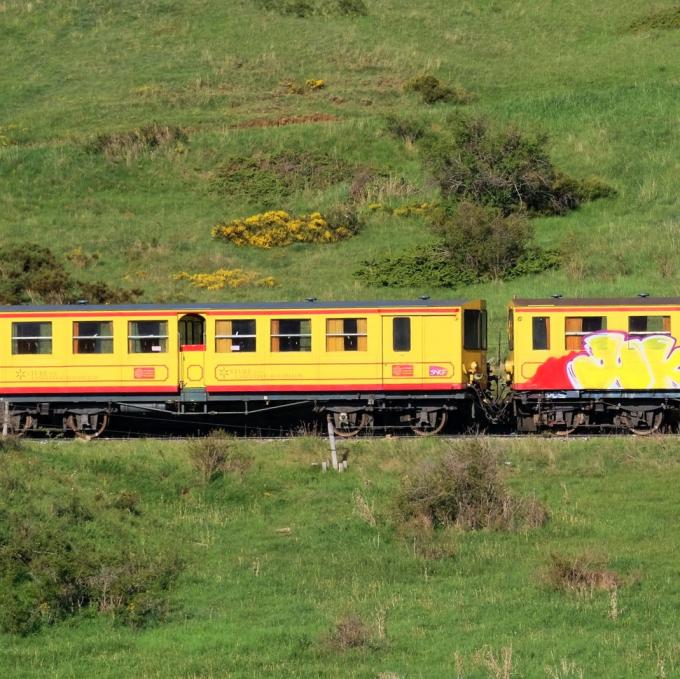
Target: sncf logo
x: 437, y: 371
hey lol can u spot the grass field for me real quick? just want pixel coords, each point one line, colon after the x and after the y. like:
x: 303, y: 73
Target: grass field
x: 605, y: 94
x: 274, y: 559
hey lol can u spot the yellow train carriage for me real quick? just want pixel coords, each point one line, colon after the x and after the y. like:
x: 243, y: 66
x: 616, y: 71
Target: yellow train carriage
x: 348, y: 358
x: 594, y: 362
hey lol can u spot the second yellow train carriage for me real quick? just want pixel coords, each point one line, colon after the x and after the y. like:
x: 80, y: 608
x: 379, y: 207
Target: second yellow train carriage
x: 408, y: 363
x: 578, y: 363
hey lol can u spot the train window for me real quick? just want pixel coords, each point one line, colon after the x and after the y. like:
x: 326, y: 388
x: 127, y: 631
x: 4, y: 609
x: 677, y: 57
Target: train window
x: 291, y: 334
x: 32, y: 338
x: 147, y: 337
x: 540, y: 327
x: 576, y: 327
x: 401, y: 333
x: 92, y: 337
x: 236, y: 335
x: 474, y: 329
x: 649, y: 325
x: 511, y: 330
x: 346, y: 334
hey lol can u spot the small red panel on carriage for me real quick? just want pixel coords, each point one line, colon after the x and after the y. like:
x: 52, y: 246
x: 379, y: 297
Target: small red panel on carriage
x: 402, y: 370
x: 145, y: 373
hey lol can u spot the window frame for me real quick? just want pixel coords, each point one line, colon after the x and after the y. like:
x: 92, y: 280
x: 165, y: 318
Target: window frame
x: 349, y: 338
x: 569, y: 334
x: 665, y: 322
x: 163, y: 346
x: 236, y: 336
x: 76, y: 350
x: 546, y: 333
x: 481, y: 329
x: 37, y: 339
x: 304, y: 339
x: 401, y: 338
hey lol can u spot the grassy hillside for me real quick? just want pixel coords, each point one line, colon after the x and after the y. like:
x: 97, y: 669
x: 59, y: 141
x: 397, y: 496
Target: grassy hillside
x: 286, y: 571
x: 231, y: 76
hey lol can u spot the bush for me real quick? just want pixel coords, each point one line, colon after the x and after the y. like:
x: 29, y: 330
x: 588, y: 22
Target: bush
x: 481, y: 241
x: 31, y: 273
x: 465, y: 488
x: 11, y: 444
x: 659, y: 20
x: 215, y: 455
x: 71, y: 554
x: 306, y: 8
x: 277, y: 228
x: 404, y: 128
x: 433, y: 90
x: 226, y: 278
x: 506, y: 170
x: 351, y: 631
x: 426, y: 266
x: 476, y: 244
x: 117, y: 145
x: 265, y: 180
x: 580, y: 574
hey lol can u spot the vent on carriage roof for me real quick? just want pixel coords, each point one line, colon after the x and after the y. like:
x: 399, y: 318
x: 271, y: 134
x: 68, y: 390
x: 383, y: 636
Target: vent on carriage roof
x: 424, y: 297
x: 311, y: 299
x: 557, y: 295
x: 643, y: 294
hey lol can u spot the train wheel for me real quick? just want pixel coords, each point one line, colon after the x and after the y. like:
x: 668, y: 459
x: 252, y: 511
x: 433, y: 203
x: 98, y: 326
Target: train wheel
x: 579, y: 420
x: 75, y: 424
x: 350, y: 424
x: 429, y: 423
x: 647, y: 425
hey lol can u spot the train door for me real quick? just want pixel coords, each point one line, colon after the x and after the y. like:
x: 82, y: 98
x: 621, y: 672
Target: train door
x: 402, y: 351
x: 192, y: 351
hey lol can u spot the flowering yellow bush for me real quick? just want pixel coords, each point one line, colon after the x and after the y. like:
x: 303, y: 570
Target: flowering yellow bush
x: 225, y: 278
x: 310, y: 85
x: 315, y: 84
x: 277, y: 228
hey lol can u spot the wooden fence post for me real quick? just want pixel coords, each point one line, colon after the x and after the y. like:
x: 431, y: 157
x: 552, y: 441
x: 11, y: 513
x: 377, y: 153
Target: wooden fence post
x: 331, y: 440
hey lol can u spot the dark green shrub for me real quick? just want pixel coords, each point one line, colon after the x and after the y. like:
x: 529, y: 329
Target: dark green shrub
x: 482, y: 241
x: 432, y: 90
x: 70, y: 555
x: 128, y: 501
x: 306, y: 8
x: 404, y: 128
x: 568, y: 193
x: 31, y: 273
x: 350, y: 7
x: 265, y: 180
x: 465, y: 487
x: 476, y: 244
x: 507, y: 170
x: 117, y: 145
x: 659, y: 20
x: 426, y: 266
x: 344, y: 216
x: 10, y: 444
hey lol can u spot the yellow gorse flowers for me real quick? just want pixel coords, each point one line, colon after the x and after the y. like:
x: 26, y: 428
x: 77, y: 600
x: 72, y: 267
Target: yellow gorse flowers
x: 226, y: 278
x: 277, y: 228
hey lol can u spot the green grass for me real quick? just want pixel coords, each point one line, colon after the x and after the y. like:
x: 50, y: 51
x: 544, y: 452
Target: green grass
x: 72, y: 71
x: 255, y: 601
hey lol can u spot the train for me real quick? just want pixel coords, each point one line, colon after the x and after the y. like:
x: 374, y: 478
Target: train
x: 363, y: 366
